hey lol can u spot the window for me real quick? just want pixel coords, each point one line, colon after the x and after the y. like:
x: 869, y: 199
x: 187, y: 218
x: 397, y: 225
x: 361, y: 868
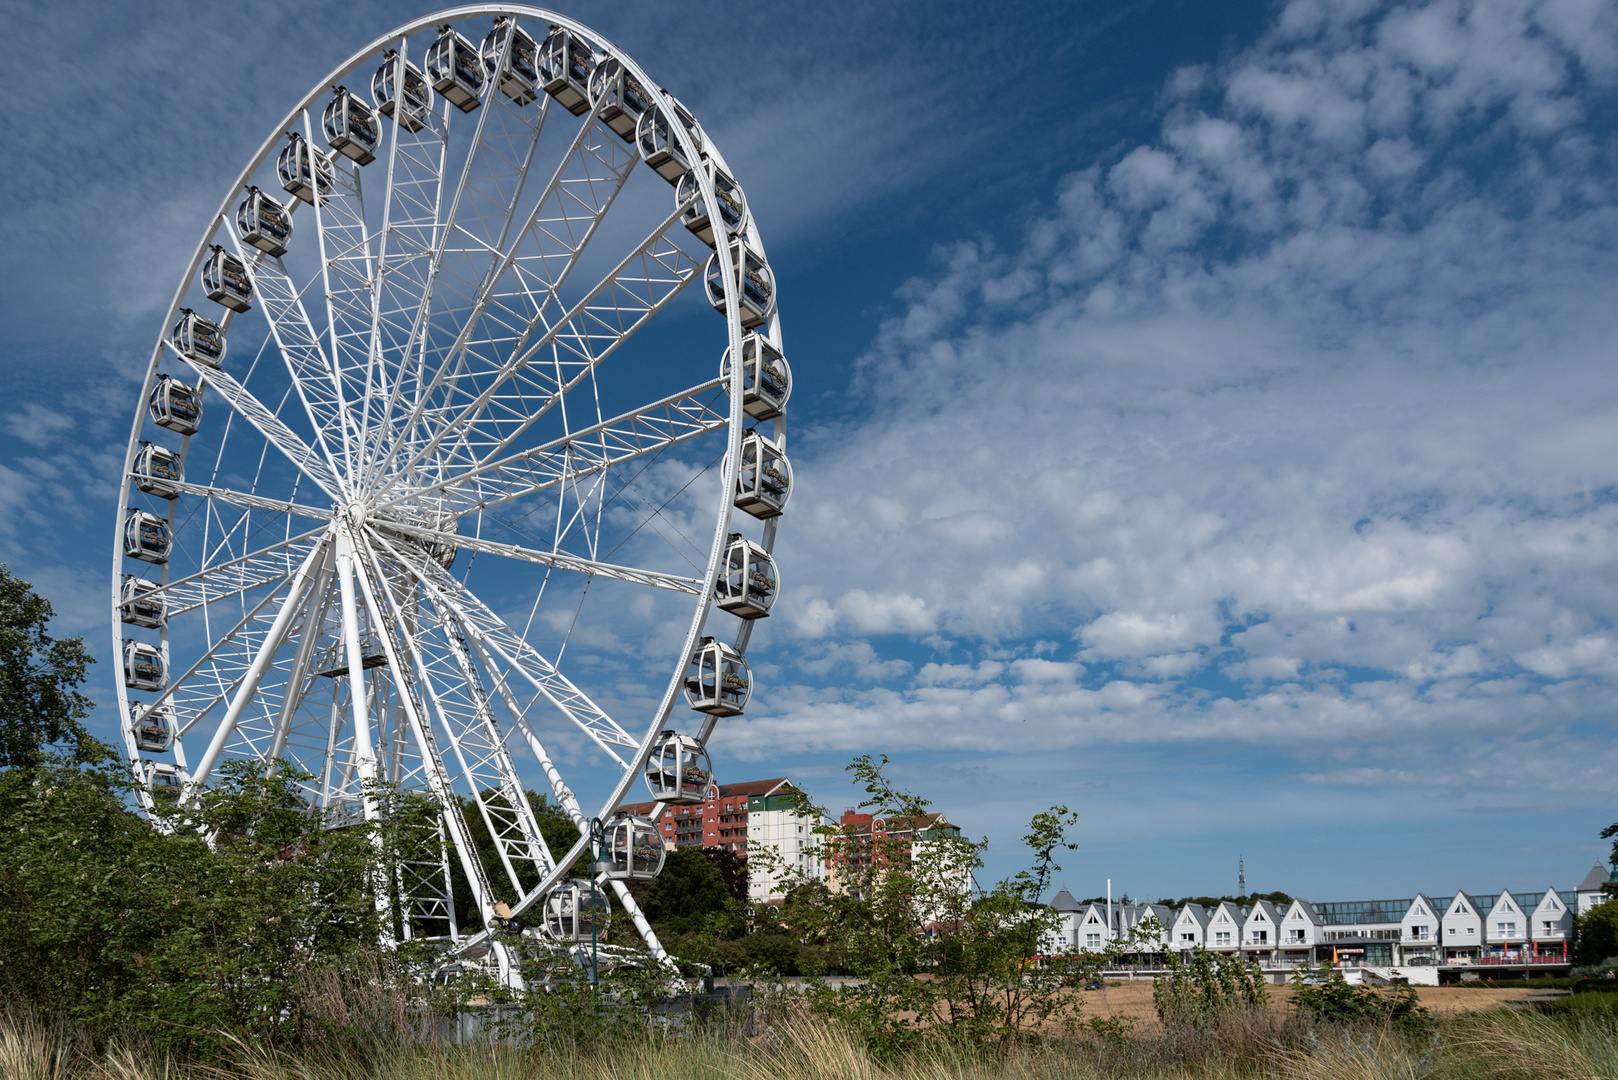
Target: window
x: 1550, y: 927
x: 1452, y: 931
x: 1222, y: 937
x: 1092, y: 941
x: 1419, y: 933
x: 1506, y: 929
x: 1261, y: 936
x: 1295, y: 936
x: 1189, y: 939
x: 1471, y: 930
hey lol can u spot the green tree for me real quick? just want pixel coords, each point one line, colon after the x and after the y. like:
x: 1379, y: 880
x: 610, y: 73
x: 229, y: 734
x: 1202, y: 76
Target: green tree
x: 1330, y: 998
x: 689, y: 897
x: 1595, y: 934
x: 555, y: 826
x: 934, y: 960
x: 40, y: 704
x: 1197, y: 992
x: 208, y: 925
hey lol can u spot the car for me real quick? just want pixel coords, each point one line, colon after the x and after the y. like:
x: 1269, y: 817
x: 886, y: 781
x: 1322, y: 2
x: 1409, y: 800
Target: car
x: 1095, y: 984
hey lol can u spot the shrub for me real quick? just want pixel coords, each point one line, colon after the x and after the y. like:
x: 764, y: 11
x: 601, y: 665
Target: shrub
x: 1334, y: 1000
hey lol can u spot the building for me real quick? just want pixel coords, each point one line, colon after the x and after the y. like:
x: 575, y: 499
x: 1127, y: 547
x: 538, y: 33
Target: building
x: 1590, y: 891
x: 748, y: 817
x: 866, y: 842
x: 1511, y: 928
x: 1419, y: 929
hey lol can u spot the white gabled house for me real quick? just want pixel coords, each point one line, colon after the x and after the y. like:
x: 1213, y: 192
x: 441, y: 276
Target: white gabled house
x: 1462, y: 923
x: 1419, y: 930
x: 1550, y: 924
x: 1093, y: 935
x: 1261, y: 930
x: 1152, y: 927
x: 1190, y: 929
x: 1590, y: 892
x: 1505, y: 928
x: 1224, y: 932
x: 1300, y: 931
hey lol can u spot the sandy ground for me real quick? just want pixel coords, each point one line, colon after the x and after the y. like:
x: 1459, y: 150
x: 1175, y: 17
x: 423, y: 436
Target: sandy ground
x: 1135, y: 999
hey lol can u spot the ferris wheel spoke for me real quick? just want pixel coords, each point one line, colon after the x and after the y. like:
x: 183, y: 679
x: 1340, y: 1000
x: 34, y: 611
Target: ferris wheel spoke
x: 233, y: 638
x: 487, y: 630
x: 638, y: 287
x: 298, y: 343
x: 456, y: 691
x: 532, y: 270
x: 471, y: 235
x: 561, y: 560
x: 343, y: 244
x: 312, y: 621
x: 275, y: 431
x: 407, y: 247
x: 255, y: 502
x: 273, y: 563
x: 639, y: 433
x: 248, y: 682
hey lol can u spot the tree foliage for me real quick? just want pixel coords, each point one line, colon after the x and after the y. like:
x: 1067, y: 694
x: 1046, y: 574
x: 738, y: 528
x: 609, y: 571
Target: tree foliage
x: 934, y: 960
x: 1325, y: 995
x: 40, y: 704
x: 209, y: 924
x: 1197, y: 992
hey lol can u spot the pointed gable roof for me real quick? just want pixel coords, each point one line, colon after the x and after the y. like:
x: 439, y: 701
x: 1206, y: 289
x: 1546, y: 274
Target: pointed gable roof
x: 1305, y: 910
x: 1423, y: 908
x: 1064, y: 901
x: 1593, y: 881
x: 1195, y: 913
x: 1263, y: 911
x: 1550, y: 901
x: 1161, y: 912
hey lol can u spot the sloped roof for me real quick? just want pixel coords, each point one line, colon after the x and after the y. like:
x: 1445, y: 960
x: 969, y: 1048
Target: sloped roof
x: 1306, y: 909
x: 1593, y: 881
x: 1270, y: 914
x: 753, y: 787
x: 1200, y: 914
x: 1064, y: 901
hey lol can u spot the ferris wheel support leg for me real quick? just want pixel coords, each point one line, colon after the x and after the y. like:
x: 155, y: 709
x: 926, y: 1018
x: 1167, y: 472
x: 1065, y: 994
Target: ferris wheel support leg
x: 314, y: 611
x: 647, y: 934
x: 255, y: 673
x: 364, y: 753
x: 432, y: 764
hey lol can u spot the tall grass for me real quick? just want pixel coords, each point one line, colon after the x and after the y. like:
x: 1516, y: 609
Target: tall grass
x: 1504, y: 1044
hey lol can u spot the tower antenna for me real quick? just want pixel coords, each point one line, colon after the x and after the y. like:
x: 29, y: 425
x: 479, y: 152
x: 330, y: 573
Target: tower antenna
x: 1241, y: 876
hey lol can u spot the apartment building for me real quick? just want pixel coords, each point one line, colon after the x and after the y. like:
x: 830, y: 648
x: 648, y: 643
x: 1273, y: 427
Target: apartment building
x: 1427, y: 928
x: 750, y: 817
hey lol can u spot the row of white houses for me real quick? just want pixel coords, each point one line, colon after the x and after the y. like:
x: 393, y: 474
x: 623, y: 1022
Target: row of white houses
x: 1438, y: 929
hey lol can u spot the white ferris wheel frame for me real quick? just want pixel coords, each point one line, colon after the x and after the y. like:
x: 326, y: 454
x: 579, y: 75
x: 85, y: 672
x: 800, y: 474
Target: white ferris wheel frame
x: 338, y: 548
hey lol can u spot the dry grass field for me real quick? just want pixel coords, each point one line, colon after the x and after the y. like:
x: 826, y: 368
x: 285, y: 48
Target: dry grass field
x: 1134, y: 999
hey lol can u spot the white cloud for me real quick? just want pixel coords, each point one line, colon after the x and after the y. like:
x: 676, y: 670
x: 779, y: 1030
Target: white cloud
x: 1313, y: 392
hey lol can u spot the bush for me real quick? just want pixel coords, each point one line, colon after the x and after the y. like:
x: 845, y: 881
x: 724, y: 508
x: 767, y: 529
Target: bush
x: 109, y: 924
x: 1197, y: 993
x: 1334, y: 1000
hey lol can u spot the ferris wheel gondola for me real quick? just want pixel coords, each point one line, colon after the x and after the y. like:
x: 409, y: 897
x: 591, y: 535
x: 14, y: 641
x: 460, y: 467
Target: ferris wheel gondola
x: 437, y: 395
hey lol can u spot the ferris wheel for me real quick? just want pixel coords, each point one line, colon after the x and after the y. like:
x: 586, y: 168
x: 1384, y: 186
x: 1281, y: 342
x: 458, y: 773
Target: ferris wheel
x: 438, y: 471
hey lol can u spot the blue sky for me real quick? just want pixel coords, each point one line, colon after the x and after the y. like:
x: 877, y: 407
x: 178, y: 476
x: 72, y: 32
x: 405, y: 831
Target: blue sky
x: 1205, y: 413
